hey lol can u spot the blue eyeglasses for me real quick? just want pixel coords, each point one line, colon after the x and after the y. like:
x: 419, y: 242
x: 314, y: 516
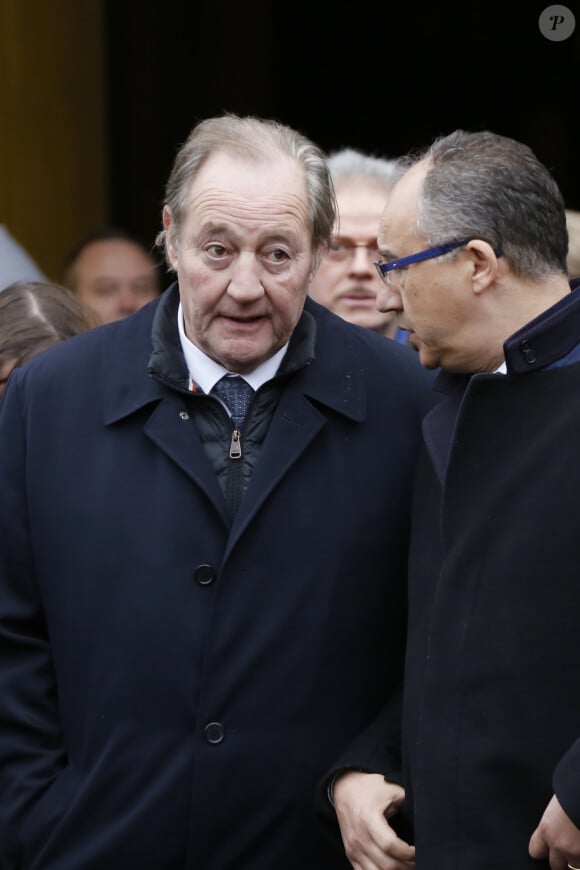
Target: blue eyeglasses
x: 384, y: 269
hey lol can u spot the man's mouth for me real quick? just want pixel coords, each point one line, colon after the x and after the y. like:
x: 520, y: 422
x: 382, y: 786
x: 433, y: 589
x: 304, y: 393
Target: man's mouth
x: 355, y: 300
x: 243, y: 320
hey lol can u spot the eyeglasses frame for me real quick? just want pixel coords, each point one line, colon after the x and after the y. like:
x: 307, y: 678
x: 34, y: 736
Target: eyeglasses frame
x: 351, y: 247
x: 427, y: 254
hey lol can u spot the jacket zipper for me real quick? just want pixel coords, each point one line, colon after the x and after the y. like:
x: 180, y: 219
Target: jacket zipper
x: 236, y: 445
x: 234, y: 473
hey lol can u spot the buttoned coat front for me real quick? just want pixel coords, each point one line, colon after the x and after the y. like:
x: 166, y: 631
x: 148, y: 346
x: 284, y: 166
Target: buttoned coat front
x: 173, y: 685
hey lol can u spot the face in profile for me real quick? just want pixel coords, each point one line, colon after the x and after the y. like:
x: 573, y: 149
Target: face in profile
x: 347, y: 282
x: 432, y: 298
x: 243, y: 256
x: 115, y: 277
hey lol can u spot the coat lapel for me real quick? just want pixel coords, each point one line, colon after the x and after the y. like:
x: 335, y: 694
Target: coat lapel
x: 172, y: 429
x: 332, y: 381
x: 130, y: 388
x: 296, y: 422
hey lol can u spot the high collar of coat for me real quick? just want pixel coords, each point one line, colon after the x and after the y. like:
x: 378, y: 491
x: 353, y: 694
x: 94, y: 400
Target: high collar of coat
x: 145, y: 363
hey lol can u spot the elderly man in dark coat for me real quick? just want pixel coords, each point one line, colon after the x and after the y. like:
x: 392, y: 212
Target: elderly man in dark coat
x: 475, y: 238
x: 203, y: 537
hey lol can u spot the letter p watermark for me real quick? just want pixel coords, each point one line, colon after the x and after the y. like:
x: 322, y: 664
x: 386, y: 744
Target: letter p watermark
x: 557, y: 23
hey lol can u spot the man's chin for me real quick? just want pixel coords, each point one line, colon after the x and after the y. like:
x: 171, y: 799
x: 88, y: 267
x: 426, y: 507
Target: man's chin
x: 426, y: 356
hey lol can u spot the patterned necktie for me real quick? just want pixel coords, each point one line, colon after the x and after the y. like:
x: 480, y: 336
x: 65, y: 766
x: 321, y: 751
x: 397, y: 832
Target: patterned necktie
x: 236, y: 394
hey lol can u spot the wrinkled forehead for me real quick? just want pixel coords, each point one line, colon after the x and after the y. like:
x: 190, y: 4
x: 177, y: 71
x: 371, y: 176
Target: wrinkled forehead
x: 241, y: 195
x: 262, y: 177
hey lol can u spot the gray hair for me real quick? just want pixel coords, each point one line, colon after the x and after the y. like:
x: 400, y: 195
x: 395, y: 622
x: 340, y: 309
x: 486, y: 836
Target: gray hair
x: 253, y: 139
x: 486, y: 186
x: 349, y: 163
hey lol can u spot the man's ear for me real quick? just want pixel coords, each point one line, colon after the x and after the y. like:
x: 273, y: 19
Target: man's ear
x: 485, y: 265
x: 169, y: 227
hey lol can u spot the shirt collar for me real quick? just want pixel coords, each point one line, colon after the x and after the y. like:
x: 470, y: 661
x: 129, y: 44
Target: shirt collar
x: 204, y: 372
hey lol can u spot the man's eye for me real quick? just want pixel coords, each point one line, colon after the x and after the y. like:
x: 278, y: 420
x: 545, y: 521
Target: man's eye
x: 217, y: 251
x: 105, y: 290
x: 337, y: 246
x: 277, y: 256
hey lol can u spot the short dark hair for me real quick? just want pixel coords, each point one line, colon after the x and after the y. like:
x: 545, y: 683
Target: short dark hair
x: 483, y: 185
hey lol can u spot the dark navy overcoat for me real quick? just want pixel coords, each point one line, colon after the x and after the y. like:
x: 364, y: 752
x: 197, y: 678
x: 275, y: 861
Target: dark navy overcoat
x: 158, y: 713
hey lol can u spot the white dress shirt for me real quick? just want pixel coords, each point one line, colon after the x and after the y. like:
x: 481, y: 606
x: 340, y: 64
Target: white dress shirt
x: 206, y: 372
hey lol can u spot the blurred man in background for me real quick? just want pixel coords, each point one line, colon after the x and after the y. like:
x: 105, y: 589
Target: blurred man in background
x: 113, y: 273
x: 347, y: 281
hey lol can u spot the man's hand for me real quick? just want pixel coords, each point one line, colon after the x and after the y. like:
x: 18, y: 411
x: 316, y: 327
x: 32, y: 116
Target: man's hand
x: 363, y: 801
x: 556, y: 838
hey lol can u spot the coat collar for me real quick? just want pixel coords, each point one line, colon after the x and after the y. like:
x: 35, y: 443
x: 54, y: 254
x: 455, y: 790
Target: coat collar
x: 128, y: 386
x: 145, y: 364
x: 548, y: 339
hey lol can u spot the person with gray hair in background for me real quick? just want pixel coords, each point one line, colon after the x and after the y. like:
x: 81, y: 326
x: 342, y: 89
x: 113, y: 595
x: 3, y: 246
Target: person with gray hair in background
x: 474, y: 245
x: 346, y: 282
x: 203, y: 533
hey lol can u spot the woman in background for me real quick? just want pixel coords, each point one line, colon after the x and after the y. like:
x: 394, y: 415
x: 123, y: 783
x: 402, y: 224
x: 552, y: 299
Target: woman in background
x: 34, y: 315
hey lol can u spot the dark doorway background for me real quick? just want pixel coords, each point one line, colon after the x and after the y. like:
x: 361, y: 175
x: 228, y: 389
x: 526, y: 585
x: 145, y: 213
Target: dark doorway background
x: 382, y: 78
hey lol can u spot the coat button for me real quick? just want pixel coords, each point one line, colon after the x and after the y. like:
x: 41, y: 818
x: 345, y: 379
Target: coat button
x: 528, y: 352
x: 204, y: 574
x: 214, y: 733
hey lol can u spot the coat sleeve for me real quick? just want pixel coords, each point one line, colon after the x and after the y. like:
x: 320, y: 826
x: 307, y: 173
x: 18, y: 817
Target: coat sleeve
x: 377, y: 749
x: 31, y: 742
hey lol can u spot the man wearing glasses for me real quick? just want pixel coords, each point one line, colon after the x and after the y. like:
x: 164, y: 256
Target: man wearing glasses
x: 346, y: 282
x: 474, y: 243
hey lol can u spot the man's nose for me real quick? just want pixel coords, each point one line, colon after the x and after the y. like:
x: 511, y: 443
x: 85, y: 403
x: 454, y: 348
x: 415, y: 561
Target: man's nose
x: 389, y: 298
x: 361, y: 259
x: 245, y: 283
x: 129, y: 301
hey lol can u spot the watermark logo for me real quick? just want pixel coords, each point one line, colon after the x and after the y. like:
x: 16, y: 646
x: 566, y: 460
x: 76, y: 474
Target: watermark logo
x: 557, y: 23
